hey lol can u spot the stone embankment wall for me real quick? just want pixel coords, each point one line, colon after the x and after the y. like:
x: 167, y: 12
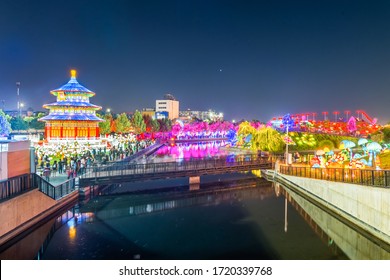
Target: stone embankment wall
x: 356, y: 246
x: 369, y: 205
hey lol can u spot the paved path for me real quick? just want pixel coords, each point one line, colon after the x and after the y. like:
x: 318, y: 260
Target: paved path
x: 58, y: 180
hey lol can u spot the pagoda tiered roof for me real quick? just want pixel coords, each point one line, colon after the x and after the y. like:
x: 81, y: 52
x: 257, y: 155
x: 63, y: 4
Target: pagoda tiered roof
x: 73, y: 87
x: 72, y: 103
x: 70, y: 117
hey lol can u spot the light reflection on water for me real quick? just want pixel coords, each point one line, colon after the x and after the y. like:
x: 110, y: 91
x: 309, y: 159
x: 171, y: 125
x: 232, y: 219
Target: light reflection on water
x: 236, y: 219
x: 244, y: 222
x: 186, y: 151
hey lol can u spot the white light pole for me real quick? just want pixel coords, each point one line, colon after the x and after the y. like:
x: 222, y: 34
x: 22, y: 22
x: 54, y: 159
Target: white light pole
x: 21, y: 108
x: 17, y: 93
x: 287, y: 121
x: 287, y: 145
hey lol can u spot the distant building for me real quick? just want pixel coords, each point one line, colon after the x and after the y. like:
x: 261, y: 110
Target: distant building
x: 209, y: 115
x: 149, y: 112
x: 169, y: 107
x: 17, y: 113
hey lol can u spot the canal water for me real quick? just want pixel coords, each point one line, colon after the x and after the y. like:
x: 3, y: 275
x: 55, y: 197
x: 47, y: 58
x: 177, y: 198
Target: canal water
x: 237, y: 216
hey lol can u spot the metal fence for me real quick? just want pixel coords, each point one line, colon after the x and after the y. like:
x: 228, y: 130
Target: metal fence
x: 15, y: 186
x: 55, y: 192
x: 368, y: 177
x: 129, y: 168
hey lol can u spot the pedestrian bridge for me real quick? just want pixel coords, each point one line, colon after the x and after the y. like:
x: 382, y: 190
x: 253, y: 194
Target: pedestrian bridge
x: 129, y: 171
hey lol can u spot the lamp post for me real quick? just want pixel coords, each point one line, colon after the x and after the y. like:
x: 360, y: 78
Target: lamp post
x: 336, y: 113
x: 287, y: 122
x: 20, y: 109
x: 325, y: 114
x: 17, y: 95
x: 347, y: 112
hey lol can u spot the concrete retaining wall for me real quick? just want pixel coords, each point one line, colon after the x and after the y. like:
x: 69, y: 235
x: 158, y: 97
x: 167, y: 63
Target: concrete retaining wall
x: 26, y: 210
x: 20, y: 209
x: 356, y: 246
x: 370, y: 205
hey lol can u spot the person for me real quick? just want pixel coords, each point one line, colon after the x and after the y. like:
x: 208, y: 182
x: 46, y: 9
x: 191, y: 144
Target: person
x: 54, y: 168
x: 296, y: 156
x: 60, y: 167
x: 46, y: 172
x: 69, y: 171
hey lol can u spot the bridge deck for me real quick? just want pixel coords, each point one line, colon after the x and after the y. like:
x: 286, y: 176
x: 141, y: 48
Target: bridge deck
x: 137, y: 172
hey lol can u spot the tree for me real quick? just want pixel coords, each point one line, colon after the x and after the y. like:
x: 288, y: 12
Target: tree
x: 122, y: 123
x: 5, y: 126
x: 105, y: 126
x: 148, y: 122
x: 267, y: 139
x: 18, y: 124
x: 35, y: 124
x: 138, y: 122
x: 165, y: 125
x: 155, y: 126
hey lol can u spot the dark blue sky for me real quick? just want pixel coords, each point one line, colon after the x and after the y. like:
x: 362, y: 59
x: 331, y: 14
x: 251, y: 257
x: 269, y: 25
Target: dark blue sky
x: 248, y: 59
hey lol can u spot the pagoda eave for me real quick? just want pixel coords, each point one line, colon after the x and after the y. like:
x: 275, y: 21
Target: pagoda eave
x: 87, y: 93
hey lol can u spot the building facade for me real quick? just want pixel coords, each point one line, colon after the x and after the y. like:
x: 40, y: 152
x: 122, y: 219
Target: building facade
x: 151, y: 112
x: 168, y: 105
x: 209, y: 115
x: 72, y: 116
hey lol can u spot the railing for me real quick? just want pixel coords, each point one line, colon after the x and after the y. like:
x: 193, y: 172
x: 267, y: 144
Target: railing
x: 18, y: 185
x: 55, y: 192
x: 368, y: 177
x: 130, y: 168
x: 144, y: 151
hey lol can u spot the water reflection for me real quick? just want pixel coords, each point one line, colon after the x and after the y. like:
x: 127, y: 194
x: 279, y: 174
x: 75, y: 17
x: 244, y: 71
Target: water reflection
x: 333, y: 231
x: 186, y: 151
x: 258, y: 220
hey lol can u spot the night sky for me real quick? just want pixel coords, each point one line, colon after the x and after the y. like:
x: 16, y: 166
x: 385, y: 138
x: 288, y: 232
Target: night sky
x: 247, y: 59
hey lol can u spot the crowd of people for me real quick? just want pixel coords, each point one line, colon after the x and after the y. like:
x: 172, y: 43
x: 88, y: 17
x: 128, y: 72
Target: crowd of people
x: 49, y: 165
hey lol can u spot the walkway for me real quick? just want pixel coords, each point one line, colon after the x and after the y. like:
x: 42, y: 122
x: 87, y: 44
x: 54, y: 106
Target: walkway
x: 122, y: 171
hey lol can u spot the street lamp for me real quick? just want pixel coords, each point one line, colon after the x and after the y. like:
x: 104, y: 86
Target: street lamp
x: 20, y: 110
x: 287, y: 122
x: 347, y: 112
x: 17, y: 95
x: 108, y: 110
x: 336, y: 113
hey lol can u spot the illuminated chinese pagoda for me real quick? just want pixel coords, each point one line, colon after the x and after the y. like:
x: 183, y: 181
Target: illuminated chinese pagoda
x: 72, y: 116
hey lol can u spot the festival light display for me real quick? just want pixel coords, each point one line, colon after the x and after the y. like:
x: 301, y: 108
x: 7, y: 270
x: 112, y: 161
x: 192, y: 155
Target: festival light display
x: 72, y: 116
x: 201, y: 130
x: 361, y: 125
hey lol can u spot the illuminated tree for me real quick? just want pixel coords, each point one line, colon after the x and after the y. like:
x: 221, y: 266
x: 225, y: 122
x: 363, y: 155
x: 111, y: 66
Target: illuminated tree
x: 165, y: 125
x: 35, y: 123
x: 155, y: 126
x: 5, y: 127
x: 122, y: 123
x: 105, y: 126
x: 138, y: 122
x: 18, y: 124
x: 245, y: 128
x: 267, y: 139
